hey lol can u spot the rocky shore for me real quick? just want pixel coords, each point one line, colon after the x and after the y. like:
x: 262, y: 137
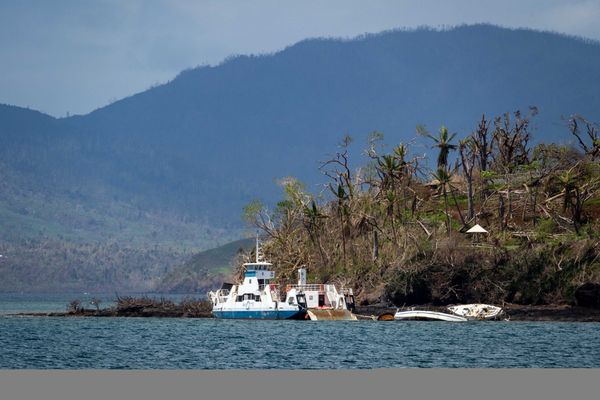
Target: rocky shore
x: 565, y: 313
x: 136, y: 307
x: 142, y: 313
x: 202, y: 309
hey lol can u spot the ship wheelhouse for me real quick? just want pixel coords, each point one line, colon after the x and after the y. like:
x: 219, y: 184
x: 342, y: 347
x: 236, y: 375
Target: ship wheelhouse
x: 258, y: 274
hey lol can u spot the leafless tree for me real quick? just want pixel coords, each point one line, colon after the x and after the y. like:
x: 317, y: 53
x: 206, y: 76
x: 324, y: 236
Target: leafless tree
x: 483, y: 143
x: 468, y: 157
x: 511, y: 138
x: 591, y: 149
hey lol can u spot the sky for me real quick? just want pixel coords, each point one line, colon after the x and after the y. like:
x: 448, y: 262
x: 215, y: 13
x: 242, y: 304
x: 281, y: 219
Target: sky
x: 68, y: 57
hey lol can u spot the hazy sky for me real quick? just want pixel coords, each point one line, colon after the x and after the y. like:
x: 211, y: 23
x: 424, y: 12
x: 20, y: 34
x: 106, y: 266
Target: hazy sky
x: 75, y: 56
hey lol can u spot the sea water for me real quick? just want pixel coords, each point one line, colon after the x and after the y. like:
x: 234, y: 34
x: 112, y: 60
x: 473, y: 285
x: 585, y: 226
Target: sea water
x: 155, y: 343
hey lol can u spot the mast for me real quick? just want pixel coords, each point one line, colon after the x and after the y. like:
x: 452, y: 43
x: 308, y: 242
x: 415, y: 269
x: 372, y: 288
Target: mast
x: 257, y: 249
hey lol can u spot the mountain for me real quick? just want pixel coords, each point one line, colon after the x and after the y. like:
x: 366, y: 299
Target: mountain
x: 205, y: 270
x: 173, y: 166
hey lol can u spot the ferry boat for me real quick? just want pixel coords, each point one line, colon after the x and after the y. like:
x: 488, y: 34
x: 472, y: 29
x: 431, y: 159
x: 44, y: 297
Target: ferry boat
x: 256, y: 297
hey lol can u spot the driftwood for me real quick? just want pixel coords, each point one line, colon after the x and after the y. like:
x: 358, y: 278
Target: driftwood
x: 128, y: 306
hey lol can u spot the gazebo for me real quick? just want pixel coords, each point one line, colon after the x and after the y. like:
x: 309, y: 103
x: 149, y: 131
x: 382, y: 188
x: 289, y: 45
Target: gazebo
x: 476, y: 231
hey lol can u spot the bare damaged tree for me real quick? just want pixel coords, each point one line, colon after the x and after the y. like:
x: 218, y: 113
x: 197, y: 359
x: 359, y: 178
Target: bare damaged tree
x: 74, y: 306
x: 255, y: 214
x: 591, y: 149
x: 484, y: 146
x: 511, y: 138
x: 483, y: 143
x: 468, y: 157
x: 338, y: 170
x: 545, y: 161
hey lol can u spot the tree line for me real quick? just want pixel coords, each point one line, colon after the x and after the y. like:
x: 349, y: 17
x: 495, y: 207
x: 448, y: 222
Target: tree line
x: 394, y: 227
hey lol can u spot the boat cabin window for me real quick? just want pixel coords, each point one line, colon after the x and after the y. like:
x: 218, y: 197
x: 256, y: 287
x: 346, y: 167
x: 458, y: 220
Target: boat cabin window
x: 291, y: 300
x: 247, y: 296
x: 262, y: 283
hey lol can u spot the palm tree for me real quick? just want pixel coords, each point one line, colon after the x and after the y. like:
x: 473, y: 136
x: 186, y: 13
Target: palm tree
x: 388, y: 167
x: 444, y: 177
x: 572, y: 197
x: 400, y: 152
x: 442, y: 142
x: 405, y: 169
x: 313, y: 224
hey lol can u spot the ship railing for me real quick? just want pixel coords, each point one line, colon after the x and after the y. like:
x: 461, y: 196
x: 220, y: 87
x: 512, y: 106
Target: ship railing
x: 309, y: 287
x: 270, y: 286
x: 320, y: 287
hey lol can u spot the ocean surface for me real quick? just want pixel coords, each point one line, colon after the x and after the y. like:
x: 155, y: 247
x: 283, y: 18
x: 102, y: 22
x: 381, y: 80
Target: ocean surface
x: 154, y: 343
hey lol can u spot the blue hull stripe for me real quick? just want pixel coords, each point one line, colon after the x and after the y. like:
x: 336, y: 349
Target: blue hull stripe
x: 255, y: 314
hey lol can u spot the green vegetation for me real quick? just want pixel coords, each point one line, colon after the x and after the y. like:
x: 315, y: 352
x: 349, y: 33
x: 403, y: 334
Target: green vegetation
x: 394, y: 229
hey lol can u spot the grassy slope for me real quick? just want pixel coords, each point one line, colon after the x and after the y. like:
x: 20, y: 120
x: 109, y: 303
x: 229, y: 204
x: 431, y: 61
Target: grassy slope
x: 205, y: 269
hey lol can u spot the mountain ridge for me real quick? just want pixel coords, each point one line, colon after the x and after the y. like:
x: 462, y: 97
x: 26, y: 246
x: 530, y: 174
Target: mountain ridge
x: 175, y: 164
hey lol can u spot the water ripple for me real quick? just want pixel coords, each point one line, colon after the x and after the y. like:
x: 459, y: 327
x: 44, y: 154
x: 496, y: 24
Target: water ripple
x: 152, y: 343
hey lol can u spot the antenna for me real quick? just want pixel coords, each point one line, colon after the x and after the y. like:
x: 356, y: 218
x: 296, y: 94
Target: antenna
x: 257, y: 249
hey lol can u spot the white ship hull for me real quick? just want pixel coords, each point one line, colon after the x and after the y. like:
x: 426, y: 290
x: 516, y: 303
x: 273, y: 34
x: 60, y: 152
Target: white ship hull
x: 421, y: 315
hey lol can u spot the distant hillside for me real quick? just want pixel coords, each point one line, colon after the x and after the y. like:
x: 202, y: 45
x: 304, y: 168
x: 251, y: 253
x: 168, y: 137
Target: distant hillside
x: 205, y: 270
x: 173, y: 166
x: 216, y: 137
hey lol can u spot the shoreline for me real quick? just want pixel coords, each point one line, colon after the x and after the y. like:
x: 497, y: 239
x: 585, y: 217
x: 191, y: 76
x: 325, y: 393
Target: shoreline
x: 513, y: 312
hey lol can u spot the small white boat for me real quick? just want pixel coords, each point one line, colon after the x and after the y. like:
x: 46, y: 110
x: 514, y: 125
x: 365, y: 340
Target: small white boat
x: 422, y: 315
x: 476, y: 311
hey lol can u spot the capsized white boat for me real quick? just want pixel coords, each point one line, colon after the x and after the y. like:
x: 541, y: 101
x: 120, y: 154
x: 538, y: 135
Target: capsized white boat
x: 476, y: 311
x: 423, y: 315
